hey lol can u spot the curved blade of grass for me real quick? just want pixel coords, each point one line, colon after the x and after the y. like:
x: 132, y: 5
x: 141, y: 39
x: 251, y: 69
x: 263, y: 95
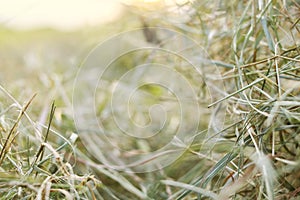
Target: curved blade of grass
x: 265, y: 28
x: 218, y: 167
x: 250, y: 85
x: 8, y: 140
x: 193, y: 188
x: 114, y: 175
x: 269, y: 175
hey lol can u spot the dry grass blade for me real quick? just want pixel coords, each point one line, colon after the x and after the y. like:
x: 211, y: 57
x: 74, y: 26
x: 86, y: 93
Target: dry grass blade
x: 246, y: 148
x: 10, y: 137
x: 40, y: 152
x: 198, y: 190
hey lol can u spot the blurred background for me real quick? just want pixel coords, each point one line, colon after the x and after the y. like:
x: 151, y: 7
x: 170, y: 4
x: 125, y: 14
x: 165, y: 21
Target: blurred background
x: 43, y: 43
x: 62, y: 15
x: 59, y: 31
x: 69, y: 15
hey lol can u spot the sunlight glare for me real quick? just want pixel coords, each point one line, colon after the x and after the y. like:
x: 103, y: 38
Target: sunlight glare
x: 155, y: 2
x: 150, y: 1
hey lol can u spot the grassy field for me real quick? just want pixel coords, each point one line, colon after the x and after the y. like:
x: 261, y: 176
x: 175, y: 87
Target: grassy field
x: 203, y: 105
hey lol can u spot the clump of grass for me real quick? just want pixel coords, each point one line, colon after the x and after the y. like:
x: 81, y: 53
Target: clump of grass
x: 255, y: 155
x: 32, y: 166
x: 255, y: 46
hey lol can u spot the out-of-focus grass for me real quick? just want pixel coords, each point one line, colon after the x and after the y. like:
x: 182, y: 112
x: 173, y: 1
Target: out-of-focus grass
x: 255, y: 45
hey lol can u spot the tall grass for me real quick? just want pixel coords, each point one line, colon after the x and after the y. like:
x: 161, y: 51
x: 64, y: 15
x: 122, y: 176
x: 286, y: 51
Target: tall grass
x: 254, y: 45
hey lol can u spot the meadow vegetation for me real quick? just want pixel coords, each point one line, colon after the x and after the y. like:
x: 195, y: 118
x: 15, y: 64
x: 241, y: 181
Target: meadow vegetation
x: 252, y: 118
